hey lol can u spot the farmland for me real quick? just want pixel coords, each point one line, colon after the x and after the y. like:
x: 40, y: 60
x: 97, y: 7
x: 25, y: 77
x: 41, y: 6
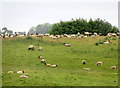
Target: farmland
x: 16, y: 56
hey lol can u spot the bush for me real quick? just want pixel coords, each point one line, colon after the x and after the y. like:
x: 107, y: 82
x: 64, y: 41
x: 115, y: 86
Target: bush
x: 100, y: 42
x: 28, y: 37
x: 96, y: 43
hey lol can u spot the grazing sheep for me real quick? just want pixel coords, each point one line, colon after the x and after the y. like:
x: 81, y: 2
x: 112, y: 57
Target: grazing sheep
x: 40, y: 49
x: 47, y: 64
x: 99, y: 63
x: 40, y: 36
x: 87, y: 69
x: 68, y: 45
x: 20, y: 72
x: 24, y: 76
x: 46, y: 34
x: 107, y: 42
x: 40, y: 57
x: 86, y: 33
x: 95, y: 34
x: 43, y: 61
x: 114, y: 67
x: 54, y: 65
x: 83, y: 62
x: 10, y: 72
x: 31, y: 47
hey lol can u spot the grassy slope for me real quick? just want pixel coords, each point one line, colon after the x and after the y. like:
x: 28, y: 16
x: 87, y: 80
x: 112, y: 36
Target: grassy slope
x: 70, y: 71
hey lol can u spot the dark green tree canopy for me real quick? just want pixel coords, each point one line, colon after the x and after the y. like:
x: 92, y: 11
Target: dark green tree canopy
x: 81, y: 26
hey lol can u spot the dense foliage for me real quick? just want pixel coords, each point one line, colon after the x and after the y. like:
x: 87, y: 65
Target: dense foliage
x: 40, y: 29
x: 6, y: 31
x: 81, y: 25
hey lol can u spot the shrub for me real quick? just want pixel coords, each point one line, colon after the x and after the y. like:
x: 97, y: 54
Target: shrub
x: 96, y: 43
x: 100, y: 42
x: 28, y: 37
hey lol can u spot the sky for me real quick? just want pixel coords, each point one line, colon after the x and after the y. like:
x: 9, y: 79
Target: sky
x: 21, y: 15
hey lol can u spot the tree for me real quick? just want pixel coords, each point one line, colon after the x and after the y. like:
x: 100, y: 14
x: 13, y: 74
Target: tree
x: 40, y: 29
x: 0, y: 31
x: 32, y: 30
x: 81, y: 26
x: 4, y: 29
x: 9, y: 32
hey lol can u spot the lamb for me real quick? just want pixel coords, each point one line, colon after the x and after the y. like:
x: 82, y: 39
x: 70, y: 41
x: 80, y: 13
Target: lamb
x: 24, y: 76
x: 87, y: 69
x: 43, y: 61
x: 68, y: 45
x: 40, y: 36
x: 40, y: 49
x: 107, y: 42
x: 19, y: 72
x: 40, y: 57
x: 31, y: 47
x: 47, y: 64
x: 10, y: 72
x: 83, y: 62
x: 54, y: 65
x: 113, y: 67
x: 99, y: 63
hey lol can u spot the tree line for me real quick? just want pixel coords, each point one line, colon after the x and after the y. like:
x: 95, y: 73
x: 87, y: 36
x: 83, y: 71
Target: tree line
x: 40, y: 29
x: 70, y: 27
x: 81, y: 26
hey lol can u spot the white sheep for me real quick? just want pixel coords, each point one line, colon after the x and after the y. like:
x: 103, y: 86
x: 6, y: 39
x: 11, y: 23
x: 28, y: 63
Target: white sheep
x: 87, y: 69
x: 47, y: 64
x: 10, y: 72
x: 83, y: 61
x: 31, y: 47
x: 19, y: 72
x: 100, y: 63
x: 68, y: 45
x: 107, y: 42
x: 43, y: 60
x: 40, y: 36
x: 24, y: 76
x: 40, y: 57
x: 113, y: 67
x: 54, y: 65
x: 40, y: 49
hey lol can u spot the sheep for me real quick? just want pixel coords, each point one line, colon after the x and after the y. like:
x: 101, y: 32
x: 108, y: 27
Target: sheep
x: 43, y: 61
x: 113, y: 67
x: 86, y: 33
x: 31, y: 47
x: 19, y: 72
x: 47, y: 64
x: 10, y: 72
x: 24, y: 76
x: 107, y: 42
x: 54, y: 65
x: 40, y: 49
x: 40, y: 57
x: 87, y: 69
x: 46, y: 34
x: 99, y: 63
x: 95, y: 34
x: 83, y: 62
x: 40, y: 36
x: 68, y: 45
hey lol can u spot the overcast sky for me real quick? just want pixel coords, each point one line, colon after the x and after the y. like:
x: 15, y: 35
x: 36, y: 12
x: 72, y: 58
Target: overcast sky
x: 20, y: 15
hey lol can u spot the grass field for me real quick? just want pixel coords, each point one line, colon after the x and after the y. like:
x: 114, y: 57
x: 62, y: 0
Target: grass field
x: 69, y: 72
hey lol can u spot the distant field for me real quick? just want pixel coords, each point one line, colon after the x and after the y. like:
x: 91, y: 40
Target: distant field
x: 69, y: 72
